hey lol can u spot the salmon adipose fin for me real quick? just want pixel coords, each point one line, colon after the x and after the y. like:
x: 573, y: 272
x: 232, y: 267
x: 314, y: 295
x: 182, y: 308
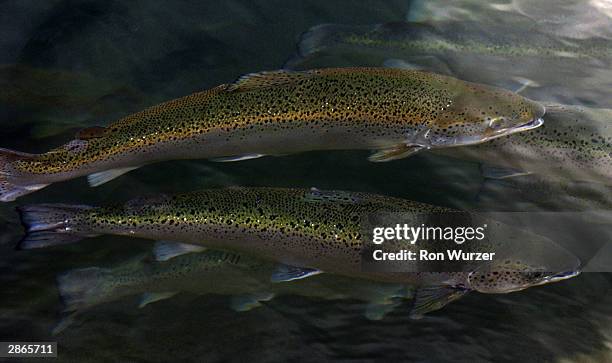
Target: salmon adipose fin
x: 50, y: 225
x: 89, y: 133
x: 11, y: 185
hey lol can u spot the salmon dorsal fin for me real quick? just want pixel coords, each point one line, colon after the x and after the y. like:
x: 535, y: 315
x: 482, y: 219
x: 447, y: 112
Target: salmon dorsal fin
x: 91, y: 133
x: 267, y: 79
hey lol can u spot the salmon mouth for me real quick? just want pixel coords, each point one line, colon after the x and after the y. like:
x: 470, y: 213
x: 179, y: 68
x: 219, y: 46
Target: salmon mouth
x: 539, y: 111
x: 560, y: 276
x: 565, y: 275
x: 441, y: 141
x: 533, y: 124
x: 426, y: 139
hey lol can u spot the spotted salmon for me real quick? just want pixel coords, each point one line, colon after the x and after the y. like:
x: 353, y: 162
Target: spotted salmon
x: 244, y: 278
x: 306, y: 231
x: 396, y: 112
x: 509, y: 53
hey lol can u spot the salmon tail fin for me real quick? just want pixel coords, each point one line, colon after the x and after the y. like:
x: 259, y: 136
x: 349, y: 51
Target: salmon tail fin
x: 83, y: 287
x: 315, y: 40
x: 12, y: 182
x: 51, y: 225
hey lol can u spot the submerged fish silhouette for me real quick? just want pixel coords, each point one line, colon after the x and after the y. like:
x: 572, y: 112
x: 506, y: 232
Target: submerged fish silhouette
x: 575, y: 144
x: 244, y: 278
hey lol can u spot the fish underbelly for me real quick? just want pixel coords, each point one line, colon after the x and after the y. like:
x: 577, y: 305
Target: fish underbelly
x: 221, y: 144
x: 294, y: 251
x: 272, y: 142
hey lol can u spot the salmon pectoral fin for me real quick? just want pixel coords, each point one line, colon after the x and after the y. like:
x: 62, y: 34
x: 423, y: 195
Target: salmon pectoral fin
x: 433, y: 298
x: 496, y: 172
x: 378, y: 311
x: 248, y: 302
x: 396, y: 152
x: 229, y: 159
x: 97, y: 179
x: 151, y: 297
x: 13, y: 183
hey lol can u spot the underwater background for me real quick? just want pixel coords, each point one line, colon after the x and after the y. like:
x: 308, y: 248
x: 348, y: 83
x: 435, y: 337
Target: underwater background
x: 66, y: 65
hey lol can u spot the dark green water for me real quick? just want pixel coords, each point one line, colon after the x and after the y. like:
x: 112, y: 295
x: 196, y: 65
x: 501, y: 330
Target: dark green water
x: 70, y: 64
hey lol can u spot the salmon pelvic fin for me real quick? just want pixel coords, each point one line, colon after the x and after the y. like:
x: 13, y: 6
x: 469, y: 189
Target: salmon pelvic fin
x: 51, y: 225
x: 13, y: 183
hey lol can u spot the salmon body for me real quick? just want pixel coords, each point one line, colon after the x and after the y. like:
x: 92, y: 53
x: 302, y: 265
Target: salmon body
x: 245, y: 279
x: 510, y: 53
x: 313, y: 231
x: 396, y: 112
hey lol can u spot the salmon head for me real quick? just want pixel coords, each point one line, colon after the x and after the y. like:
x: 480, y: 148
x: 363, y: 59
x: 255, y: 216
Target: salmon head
x: 479, y: 113
x: 536, y: 262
